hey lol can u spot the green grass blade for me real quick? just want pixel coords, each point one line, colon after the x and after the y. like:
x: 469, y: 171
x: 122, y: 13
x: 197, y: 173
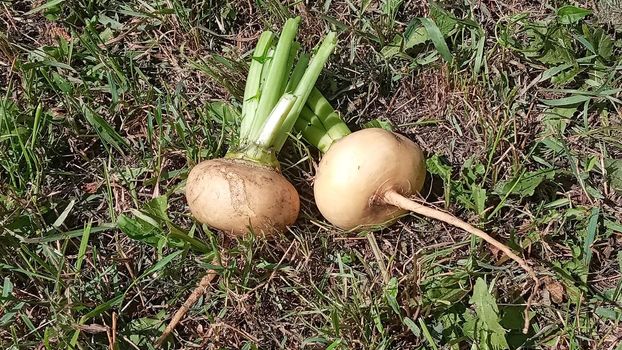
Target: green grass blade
x: 83, y: 245
x: 437, y: 39
x: 35, y: 126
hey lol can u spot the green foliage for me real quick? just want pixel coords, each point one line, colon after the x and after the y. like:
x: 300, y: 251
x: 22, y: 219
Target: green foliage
x: 422, y: 30
x: 152, y: 226
x: 108, y: 104
x: 525, y: 184
x: 484, y: 325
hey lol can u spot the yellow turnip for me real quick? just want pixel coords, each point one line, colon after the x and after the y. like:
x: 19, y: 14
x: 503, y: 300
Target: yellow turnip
x: 365, y: 179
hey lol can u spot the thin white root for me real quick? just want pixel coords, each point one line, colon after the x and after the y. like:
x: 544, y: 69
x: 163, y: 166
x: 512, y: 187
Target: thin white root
x: 192, y: 299
x: 396, y: 199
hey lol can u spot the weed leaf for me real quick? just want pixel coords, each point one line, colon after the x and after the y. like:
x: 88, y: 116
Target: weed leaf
x: 488, y: 313
x: 437, y: 39
x: 525, y: 183
x: 571, y: 14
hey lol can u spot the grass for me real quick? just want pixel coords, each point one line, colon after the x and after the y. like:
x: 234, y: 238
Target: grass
x: 107, y: 105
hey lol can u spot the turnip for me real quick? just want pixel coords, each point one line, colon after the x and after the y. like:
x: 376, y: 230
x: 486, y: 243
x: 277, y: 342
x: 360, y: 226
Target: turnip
x: 365, y: 179
x: 245, y: 190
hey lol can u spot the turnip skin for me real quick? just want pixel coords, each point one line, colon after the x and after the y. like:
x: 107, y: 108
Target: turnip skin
x: 234, y: 195
x: 358, y: 169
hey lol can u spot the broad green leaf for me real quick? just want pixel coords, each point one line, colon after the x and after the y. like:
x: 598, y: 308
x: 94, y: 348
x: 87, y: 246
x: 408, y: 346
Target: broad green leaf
x: 566, y: 76
x: 223, y: 112
x: 414, y: 35
x: 488, y: 313
x: 605, y: 45
x: 513, y: 320
x: 106, y: 34
x: 609, y: 313
x: 525, y: 183
x: 139, y: 230
x: 554, y: 54
x: 390, y: 293
x: 158, y: 208
x: 571, y: 14
x: 143, y: 330
x: 436, y: 166
x: 570, y: 272
x: 444, y: 20
x: 513, y: 317
x: 478, y: 195
x: 556, y: 119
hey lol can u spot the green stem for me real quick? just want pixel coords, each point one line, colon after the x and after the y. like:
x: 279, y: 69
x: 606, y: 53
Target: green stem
x: 319, y: 123
x: 307, y: 115
x: 272, y: 126
x: 299, y: 71
x: 276, y: 80
x: 293, y: 52
x: 253, y: 83
x: 264, y: 73
x: 335, y: 127
x: 304, y: 87
x: 313, y: 134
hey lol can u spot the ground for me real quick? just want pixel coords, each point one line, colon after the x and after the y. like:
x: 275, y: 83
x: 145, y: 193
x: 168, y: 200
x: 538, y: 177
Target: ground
x: 106, y: 105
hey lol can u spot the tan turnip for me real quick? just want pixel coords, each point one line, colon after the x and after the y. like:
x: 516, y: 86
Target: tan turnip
x: 235, y: 195
x: 245, y: 191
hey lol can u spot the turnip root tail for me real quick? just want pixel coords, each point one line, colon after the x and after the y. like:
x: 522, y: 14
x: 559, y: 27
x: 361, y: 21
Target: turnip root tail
x: 393, y: 198
x: 198, y: 291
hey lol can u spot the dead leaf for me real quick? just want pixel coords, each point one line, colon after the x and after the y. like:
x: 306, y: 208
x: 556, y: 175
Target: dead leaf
x: 93, y: 328
x: 555, y: 289
x: 91, y: 187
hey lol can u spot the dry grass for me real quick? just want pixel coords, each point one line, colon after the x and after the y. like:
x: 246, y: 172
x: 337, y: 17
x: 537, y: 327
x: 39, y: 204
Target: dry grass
x: 315, y: 286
